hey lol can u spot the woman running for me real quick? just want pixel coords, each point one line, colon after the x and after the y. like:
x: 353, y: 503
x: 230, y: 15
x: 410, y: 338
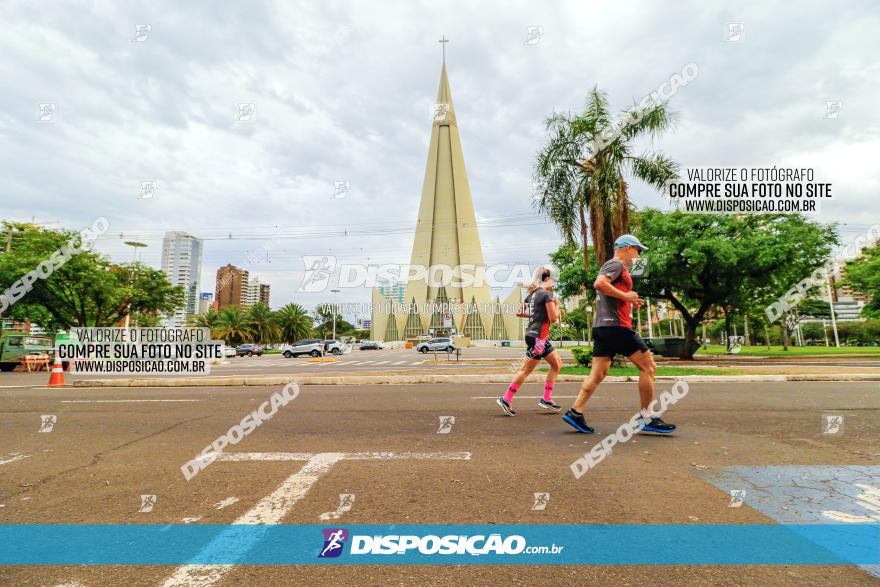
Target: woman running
x: 542, y: 309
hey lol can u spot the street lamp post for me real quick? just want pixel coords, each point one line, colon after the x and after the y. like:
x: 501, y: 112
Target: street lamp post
x: 833, y: 318
x: 334, y: 291
x: 135, y: 246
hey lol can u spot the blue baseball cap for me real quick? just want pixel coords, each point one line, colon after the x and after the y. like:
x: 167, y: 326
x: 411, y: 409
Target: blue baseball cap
x: 628, y: 240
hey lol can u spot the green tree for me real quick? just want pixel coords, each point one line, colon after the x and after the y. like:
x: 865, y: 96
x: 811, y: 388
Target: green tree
x: 234, y: 326
x: 814, y: 332
x: 851, y: 332
x: 810, y: 308
x: 581, y: 171
x: 703, y: 261
x: 264, y: 323
x: 294, y: 322
x: 863, y: 275
x: 871, y: 328
x: 324, y: 314
x: 573, y: 280
x: 146, y: 319
x: 84, y: 290
x: 210, y: 320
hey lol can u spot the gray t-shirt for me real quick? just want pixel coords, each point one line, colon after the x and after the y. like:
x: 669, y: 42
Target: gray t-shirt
x: 539, y: 321
x: 612, y: 311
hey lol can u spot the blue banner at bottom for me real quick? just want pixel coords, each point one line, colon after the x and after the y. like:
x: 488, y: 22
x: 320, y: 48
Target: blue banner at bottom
x: 287, y: 544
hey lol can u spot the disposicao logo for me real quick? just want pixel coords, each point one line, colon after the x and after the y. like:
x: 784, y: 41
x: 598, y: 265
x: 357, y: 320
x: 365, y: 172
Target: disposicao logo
x: 334, y: 542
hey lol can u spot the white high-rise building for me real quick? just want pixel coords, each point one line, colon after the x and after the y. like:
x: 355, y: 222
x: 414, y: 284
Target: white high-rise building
x: 252, y: 292
x: 182, y: 263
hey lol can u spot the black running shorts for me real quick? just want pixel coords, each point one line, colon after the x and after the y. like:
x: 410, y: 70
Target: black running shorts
x: 616, y: 340
x: 537, y: 348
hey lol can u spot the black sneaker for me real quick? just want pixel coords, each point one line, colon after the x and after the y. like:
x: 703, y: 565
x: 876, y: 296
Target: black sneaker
x: 505, y: 406
x: 577, y: 422
x: 659, y: 426
x: 550, y: 406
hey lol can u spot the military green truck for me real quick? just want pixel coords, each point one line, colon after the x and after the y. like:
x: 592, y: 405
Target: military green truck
x: 15, y: 345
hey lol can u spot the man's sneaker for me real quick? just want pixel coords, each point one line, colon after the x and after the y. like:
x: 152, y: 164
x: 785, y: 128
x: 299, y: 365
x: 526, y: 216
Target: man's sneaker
x: 549, y: 406
x: 658, y: 425
x: 505, y: 406
x: 577, y: 422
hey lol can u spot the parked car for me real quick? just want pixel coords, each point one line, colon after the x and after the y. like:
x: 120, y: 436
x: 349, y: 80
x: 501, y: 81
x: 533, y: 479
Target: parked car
x: 227, y: 351
x: 334, y: 347
x: 307, y: 346
x: 436, y: 344
x: 371, y: 346
x: 15, y: 345
x: 249, y: 350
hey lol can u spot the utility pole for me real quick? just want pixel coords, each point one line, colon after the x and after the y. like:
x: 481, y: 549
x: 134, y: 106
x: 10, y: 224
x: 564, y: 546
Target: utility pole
x: 135, y: 246
x: 335, y: 308
x: 833, y: 319
x: 8, y: 249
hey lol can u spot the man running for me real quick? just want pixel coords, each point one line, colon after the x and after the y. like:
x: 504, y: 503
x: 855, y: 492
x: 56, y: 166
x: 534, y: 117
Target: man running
x: 613, y: 334
x: 543, y: 309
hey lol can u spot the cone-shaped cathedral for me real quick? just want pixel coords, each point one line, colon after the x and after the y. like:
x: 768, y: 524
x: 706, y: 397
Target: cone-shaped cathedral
x: 446, y: 235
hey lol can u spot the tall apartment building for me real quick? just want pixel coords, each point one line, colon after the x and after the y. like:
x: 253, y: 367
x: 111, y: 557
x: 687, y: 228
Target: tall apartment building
x: 231, y: 287
x: 256, y: 292
x: 182, y: 263
x: 252, y: 292
x: 845, y: 292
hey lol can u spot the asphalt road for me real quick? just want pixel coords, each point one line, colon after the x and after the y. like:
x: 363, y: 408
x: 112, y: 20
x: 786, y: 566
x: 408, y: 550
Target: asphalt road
x: 108, y: 447
x: 471, y: 359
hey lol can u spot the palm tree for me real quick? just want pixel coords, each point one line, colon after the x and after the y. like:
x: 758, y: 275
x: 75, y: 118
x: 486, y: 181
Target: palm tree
x: 209, y: 319
x: 294, y: 322
x: 234, y: 325
x: 582, y: 170
x: 264, y: 323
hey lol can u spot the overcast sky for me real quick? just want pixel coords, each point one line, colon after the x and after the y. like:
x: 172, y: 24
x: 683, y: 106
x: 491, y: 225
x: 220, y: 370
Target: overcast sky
x: 343, y: 91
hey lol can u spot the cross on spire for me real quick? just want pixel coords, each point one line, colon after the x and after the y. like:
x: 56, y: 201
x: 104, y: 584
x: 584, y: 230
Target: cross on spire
x: 443, y: 40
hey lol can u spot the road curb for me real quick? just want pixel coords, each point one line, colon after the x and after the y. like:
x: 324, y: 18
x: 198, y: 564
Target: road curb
x: 264, y: 380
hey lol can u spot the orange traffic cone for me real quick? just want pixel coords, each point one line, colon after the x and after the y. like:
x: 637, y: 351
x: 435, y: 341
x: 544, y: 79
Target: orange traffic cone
x: 56, y: 379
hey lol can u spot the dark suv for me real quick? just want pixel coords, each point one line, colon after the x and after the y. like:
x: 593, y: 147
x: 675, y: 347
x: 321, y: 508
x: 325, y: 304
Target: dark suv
x: 248, y: 350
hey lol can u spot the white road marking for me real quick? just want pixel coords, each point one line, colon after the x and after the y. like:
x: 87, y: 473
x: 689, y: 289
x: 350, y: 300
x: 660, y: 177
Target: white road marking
x: 274, y: 507
x: 869, y: 499
x: 348, y: 456
x: 523, y: 396
x: 381, y: 362
x: 399, y: 363
x: 269, y: 510
x: 124, y: 401
x: 191, y: 520
x: 226, y: 502
x: 13, y: 459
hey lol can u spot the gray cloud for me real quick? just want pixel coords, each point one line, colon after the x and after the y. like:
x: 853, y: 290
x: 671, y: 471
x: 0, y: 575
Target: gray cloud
x: 342, y: 93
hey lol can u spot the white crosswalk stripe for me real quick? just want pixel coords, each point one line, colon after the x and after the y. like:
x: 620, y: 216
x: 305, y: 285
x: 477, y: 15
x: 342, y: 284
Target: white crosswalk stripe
x: 257, y: 363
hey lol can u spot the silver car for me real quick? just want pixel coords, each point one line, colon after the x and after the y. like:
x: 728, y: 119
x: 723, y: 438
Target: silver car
x: 436, y: 344
x: 307, y: 346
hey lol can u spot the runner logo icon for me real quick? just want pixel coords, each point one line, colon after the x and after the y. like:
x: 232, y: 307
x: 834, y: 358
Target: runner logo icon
x: 334, y: 542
